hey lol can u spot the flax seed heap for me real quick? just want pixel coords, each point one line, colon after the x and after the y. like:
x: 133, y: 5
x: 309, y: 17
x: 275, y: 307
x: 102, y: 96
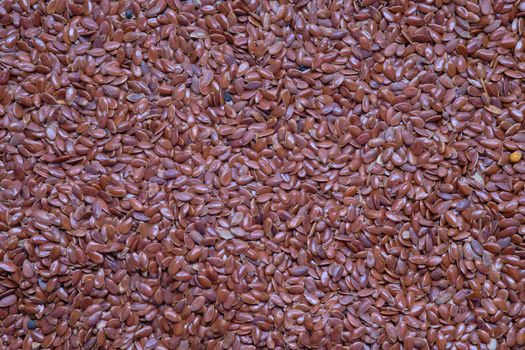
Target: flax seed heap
x: 262, y: 174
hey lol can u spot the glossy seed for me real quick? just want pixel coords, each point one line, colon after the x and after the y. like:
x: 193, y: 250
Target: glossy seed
x: 515, y: 156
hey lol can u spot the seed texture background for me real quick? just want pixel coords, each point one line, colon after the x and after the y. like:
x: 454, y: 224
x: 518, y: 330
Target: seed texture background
x: 253, y: 174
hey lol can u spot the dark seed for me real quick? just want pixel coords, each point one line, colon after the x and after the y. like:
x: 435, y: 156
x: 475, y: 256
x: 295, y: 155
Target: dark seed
x: 302, y: 68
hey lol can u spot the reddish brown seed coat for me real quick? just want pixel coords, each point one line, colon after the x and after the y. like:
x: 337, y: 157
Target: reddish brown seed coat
x: 262, y: 174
